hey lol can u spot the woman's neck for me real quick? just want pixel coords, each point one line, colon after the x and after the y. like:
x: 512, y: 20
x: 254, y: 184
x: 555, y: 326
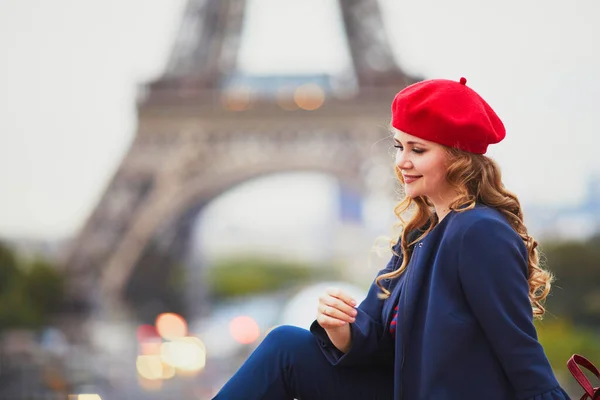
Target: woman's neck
x: 442, y: 208
x: 441, y: 213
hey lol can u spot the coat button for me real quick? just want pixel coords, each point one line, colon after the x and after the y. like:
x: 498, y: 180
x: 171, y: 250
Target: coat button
x: 323, y: 343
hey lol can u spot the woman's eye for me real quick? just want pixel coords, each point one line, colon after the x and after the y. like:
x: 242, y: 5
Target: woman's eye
x: 398, y: 146
x: 419, y: 151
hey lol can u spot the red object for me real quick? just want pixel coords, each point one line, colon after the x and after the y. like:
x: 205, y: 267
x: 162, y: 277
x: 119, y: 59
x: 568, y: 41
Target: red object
x: 574, y: 364
x: 146, y: 332
x: 394, y: 322
x: 449, y: 113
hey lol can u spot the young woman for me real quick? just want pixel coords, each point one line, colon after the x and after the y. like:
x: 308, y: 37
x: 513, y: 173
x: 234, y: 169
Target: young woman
x: 451, y: 316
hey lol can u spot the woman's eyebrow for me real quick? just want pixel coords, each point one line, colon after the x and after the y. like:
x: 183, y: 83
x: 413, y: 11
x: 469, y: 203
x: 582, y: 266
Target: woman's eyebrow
x: 411, y: 142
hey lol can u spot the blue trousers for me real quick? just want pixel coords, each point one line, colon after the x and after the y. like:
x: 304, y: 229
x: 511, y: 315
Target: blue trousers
x: 288, y: 364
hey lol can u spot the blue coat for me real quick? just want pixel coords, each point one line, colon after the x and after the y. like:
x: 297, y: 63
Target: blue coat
x: 465, y: 328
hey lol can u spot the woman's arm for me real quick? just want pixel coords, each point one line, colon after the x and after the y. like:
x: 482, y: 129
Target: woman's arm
x: 362, y: 338
x: 340, y: 337
x: 493, y: 271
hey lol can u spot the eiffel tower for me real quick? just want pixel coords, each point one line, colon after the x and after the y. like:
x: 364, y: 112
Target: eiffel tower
x: 200, y: 132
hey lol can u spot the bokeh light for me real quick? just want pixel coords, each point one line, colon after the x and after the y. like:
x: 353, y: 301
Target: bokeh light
x: 149, y: 367
x: 150, y: 385
x: 309, y: 96
x: 168, y: 371
x: 237, y: 99
x: 186, y: 354
x: 150, y: 348
x: 146, y: 332
x: 171, y: 326
x: 89, y: 397
x: 244, y: 329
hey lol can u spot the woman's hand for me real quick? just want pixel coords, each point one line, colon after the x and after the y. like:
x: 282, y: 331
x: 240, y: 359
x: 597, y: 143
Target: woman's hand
x: 335, y: 309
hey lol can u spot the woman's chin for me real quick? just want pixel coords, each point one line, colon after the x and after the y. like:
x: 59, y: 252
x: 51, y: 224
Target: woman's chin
x: 410, y: 193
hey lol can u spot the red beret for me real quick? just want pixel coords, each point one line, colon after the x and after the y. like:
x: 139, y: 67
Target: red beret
x: 449, y: 113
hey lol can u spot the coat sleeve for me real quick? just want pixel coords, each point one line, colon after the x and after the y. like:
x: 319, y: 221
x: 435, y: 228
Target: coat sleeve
x: 493, y: 271
x: 369, y: 344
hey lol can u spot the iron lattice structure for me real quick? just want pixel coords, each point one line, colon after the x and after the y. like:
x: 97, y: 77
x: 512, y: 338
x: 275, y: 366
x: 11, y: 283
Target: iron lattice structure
x: 198, y: 137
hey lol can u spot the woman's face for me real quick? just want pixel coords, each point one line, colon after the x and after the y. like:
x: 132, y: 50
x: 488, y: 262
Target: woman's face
x: 423, y: 165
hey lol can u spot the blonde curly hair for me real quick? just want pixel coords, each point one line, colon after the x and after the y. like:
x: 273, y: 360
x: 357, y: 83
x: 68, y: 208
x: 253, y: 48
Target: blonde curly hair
x: 477, y: 180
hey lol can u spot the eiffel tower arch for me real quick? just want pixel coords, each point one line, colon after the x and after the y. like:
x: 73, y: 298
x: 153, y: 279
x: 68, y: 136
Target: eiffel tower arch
x: 200, y: 132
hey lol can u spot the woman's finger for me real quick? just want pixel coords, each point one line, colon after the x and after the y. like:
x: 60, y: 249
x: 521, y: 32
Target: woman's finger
x: 340, y: 294
x: 341, y: 306
x: 332, y: 311
x: 327, y: 300
x: 328, y: 322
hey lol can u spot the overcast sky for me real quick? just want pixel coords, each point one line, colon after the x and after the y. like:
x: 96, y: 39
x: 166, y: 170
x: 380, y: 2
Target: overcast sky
x: 70, y: 69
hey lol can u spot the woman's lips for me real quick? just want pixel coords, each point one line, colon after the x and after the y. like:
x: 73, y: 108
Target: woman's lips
x: 410, y: 178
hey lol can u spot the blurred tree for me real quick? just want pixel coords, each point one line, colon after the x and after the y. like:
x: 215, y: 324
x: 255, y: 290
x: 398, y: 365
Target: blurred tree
x: 45, y: 286
x: 30, y: 292
x: 8, y: 267
x: 252, y: 275
x: 576, y: 291
x: 561, y: 339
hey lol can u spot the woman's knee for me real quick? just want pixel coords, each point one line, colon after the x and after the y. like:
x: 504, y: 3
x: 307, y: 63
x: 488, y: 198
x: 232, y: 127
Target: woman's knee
x: 289, y: 337
x: 286, y: 333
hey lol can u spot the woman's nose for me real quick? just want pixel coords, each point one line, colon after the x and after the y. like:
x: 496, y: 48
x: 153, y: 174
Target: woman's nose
x: 402, y: 161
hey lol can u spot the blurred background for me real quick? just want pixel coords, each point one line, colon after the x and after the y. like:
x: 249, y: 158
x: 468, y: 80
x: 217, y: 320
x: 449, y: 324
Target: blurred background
x: 181, y: 176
